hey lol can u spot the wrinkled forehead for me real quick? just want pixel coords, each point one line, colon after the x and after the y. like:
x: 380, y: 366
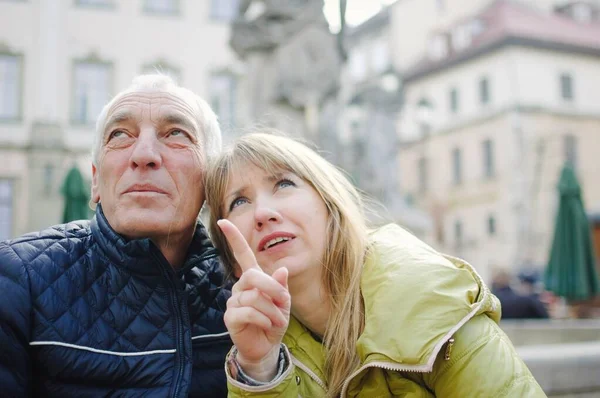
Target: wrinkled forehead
x: 154, y: 107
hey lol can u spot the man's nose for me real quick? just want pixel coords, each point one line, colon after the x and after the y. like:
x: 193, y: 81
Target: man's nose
x: 146, y: 151
x: 265, y: 214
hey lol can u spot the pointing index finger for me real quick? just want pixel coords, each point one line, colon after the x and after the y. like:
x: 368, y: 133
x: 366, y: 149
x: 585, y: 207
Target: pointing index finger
x: 241, y: 251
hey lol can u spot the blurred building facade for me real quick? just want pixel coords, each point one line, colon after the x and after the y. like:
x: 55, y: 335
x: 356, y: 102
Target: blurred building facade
x: 370, y: 100
x: 495, y: 104
x: 60, y: 61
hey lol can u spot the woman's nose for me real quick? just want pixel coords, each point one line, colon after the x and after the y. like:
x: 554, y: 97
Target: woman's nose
x: 265, y: 215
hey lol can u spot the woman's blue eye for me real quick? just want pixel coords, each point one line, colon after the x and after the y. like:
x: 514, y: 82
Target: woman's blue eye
x: 236, y: 202
x: 285, y: 183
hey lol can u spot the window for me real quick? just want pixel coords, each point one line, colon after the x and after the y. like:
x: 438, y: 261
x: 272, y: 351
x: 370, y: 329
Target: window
x: 224, y: 10
x: 454, y: 100
x: 570, y: 145
x: 163, y: 67
x: 566, y: 86
x: 95, y: 3
x: 10, y: 86
x: 456, y: 166
x: 6, y: 209
x: 458, y: 233
x: 489, y: 167
x: 90, y: 90
x: 423, y: 174
x: 484, y: 91
x: 223, y: 97
x: 491, y: 225
x: 162, y: 6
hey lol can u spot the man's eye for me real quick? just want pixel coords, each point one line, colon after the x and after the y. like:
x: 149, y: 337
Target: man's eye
x: 177, y: 133
x: 237, y: 202
x: 116, y: 134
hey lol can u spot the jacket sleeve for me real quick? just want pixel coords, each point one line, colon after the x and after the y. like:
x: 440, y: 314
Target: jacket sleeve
x: 481, y: 363
x: 282, y: 386
x: 15, y: 310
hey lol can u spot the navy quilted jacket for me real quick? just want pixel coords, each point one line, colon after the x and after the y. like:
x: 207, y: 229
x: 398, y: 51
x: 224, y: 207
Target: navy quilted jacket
x: 85, y: 313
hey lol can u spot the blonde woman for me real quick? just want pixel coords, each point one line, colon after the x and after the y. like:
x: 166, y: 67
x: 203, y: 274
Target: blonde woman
x: 324, y: 306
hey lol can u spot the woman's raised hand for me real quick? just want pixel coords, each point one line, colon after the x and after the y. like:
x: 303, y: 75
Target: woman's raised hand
x: 258, y: 311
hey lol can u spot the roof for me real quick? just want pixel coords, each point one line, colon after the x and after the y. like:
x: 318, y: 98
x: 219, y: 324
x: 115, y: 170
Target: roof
x: 509, y: 23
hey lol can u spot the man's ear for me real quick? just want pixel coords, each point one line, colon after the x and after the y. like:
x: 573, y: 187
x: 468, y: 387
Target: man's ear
x: 95, y: 192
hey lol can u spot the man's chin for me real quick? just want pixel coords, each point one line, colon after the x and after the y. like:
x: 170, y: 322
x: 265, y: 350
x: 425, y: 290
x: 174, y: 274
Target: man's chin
x: 144, y: 223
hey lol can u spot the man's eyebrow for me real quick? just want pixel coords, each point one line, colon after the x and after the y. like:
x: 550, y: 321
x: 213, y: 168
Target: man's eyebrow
x: 181, y: 120
x: 118, y: 117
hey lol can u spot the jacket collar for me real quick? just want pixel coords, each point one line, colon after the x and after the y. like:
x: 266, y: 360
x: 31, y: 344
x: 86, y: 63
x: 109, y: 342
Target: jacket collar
x: 142, y: 256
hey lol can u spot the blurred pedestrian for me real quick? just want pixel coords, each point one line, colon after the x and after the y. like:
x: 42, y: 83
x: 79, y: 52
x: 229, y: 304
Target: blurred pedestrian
x: 516, y: 305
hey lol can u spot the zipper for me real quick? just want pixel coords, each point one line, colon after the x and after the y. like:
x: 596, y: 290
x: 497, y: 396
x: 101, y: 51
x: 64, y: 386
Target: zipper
x: 395, y: 367
x: 448, y: 349
x: 173, y: 296
x: 309, y: 372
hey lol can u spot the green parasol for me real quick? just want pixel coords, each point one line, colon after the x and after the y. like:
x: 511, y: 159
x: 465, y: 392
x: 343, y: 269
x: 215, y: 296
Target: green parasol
x: 76, y: 195
x: 571, y: 271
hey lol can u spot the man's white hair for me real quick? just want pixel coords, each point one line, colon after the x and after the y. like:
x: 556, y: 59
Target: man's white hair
x: 205, y: 117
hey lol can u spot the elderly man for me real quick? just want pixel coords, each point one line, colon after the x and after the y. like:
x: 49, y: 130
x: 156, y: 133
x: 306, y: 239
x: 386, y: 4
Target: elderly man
x: 132, y: 302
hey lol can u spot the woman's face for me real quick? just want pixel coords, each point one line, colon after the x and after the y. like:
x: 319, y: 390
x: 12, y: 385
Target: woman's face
x: 281, y: 216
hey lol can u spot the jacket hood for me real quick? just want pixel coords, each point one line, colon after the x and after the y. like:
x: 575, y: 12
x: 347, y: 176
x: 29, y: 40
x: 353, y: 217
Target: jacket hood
x: 415, y: 300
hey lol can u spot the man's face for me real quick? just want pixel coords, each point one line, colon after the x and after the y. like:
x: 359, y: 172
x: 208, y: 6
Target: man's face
x: 149, y: 170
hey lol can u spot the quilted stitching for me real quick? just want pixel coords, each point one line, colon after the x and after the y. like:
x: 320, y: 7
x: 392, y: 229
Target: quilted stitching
x: 79, y: 296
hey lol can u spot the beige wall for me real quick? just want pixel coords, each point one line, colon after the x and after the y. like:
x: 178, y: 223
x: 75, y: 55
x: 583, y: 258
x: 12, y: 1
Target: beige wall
x: 52, y: 34
x: 477, y: 198
x: 527, y: 120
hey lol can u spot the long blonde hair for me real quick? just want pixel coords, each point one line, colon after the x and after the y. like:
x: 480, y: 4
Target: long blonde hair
x: 347, y: 232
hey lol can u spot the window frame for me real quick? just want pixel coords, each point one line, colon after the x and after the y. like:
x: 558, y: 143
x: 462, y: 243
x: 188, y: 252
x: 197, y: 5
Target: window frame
x: 146, y: 9
x: 457, y: 167
x: 492, y: 226
x: 566, y: 86
x: 484, y: 92
x: 18, y: 118
x: 10, y: 202
x: 89, y: 60
x: 489, y: 160
x: 107, y: 5
x: 422, y: 174
x: 454, y: 98
x: 233, y: 88
x: 219, y: 17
